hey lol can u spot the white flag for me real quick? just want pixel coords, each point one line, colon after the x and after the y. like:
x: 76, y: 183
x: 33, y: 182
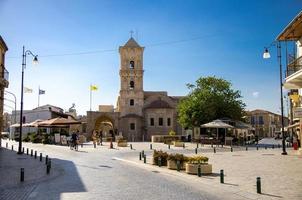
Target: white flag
x: 27, y: 90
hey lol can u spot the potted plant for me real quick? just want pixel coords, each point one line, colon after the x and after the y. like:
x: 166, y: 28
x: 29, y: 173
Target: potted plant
x: 178, y: 143
x: 174, y: 158
x: 160, y: 154
x: 122, y: 142
x: 198, y: 161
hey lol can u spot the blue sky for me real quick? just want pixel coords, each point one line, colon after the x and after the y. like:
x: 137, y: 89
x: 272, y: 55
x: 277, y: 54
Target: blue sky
x: 221, y: 38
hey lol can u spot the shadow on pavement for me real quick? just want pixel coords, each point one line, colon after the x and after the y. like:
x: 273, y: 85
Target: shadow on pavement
x: 63, y: 177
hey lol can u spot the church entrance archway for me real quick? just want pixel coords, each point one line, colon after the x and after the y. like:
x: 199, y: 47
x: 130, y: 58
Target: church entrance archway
x: 105, y: 126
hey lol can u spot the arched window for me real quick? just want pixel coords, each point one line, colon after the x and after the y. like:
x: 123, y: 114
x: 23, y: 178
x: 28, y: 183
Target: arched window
x: 131, y: 64
x: 131, y: 102
x: 131, y: 84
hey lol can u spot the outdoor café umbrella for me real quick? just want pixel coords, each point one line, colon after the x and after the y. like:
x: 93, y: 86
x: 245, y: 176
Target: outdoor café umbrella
x: 59, y: 121
x: 217, y: 124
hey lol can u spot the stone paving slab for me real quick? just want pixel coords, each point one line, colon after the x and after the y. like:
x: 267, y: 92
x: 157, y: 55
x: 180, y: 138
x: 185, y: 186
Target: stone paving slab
x: 134, y: 180
x: 281, y: 175
x: 34, y: 173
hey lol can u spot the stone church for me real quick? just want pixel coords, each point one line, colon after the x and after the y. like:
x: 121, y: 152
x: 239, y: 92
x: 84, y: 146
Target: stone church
x: 138, y: 114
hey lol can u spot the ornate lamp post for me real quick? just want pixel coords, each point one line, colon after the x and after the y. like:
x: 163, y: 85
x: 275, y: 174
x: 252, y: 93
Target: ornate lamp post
x: 35, y: 61
x: 266, y: 55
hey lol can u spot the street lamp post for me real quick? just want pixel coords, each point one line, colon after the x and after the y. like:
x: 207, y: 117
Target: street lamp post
x: 35, y: 60
x: 266, y: 55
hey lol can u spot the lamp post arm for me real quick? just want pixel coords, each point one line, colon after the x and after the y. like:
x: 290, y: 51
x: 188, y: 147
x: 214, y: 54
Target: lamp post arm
x: 28, y: 52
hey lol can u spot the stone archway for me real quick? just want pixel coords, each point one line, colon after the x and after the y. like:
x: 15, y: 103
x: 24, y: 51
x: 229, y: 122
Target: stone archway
x: 105, y: 125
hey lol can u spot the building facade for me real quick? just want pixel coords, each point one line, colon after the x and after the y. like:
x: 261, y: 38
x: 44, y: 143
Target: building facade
x: 265, y: 123
x: 292, y: 36
x: 44, y: 112
x: 138, y: 114
x: 3, y: 80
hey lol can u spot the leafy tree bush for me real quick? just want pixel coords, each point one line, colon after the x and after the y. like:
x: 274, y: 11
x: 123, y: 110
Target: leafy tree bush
x: 209, y: 99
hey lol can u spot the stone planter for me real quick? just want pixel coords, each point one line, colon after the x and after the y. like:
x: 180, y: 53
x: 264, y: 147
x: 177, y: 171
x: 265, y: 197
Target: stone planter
x: 178, y: 144
x: 122, y: 144
x: 171, y: 164
x: 193, y: 168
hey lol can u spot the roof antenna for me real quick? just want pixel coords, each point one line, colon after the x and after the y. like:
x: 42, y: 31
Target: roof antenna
x: 131, y: 33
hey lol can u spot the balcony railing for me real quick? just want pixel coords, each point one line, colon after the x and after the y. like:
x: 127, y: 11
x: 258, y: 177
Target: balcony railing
x: 5, y: 74
x: 294, y: 66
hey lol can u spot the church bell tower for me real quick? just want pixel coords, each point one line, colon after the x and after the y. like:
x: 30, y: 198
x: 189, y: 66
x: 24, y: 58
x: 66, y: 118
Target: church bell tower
x: 131, y: 97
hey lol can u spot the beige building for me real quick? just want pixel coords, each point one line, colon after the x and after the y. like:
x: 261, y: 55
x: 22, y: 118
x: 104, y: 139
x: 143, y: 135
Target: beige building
x: 265, y: 123
x: 292, y: 34
x: 3, y: 80
x: 139, y: 114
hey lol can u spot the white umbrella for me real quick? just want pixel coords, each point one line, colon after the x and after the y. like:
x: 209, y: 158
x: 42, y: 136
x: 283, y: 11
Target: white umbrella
x: 217, y: 124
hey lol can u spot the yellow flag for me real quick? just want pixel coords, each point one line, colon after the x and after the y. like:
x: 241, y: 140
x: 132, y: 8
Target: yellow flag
x: 93, y: 87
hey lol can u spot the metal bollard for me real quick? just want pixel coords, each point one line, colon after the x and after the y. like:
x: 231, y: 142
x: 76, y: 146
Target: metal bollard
x: 257, y: 148
x: 231, y: 149
x: 212, y: 144
x: 41, y: 157
x: 178, y: 165
x: 214, y: 150
x: 258, y: 183
x: 145, y: 158
x: 246, y: 148
x: 273, y: 147
x: 47, y: 169
x: 31, y: 152
x: 197, y: 145
x: 27, y: 151
x: 111, y: 145
x: 168, y: 146
x: 159, y: 161
x: 143, y: 153
x: 195, y: 150
x: 140, y: 156
x: 199, y: 171
x: 265, y: 147
x: 131, y: 146
x: 82, y: 145
x: 151, y: 146
x: 35, y: 154
x: 12, y: 147
x: 46, y: 159
x: 6, y: 145
x: 22, y: 149
x: 221, y: 176
x: 22, y: 175
x: 94, y: 145
x: 183, y: 146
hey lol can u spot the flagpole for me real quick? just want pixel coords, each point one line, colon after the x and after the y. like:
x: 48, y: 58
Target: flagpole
x: 39, y: 96
x: 90, y: 96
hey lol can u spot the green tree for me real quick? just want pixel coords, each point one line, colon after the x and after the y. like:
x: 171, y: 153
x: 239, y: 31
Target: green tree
x: 210, y: 98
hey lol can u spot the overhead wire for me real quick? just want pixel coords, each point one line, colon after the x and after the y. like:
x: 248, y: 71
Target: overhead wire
x: 113, y: 50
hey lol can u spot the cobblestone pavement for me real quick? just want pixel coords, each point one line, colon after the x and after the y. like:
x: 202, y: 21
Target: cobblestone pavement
x: 104, y: 173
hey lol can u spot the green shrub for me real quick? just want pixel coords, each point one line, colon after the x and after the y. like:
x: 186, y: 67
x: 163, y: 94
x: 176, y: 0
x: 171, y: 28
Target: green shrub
x: 198, y: 160
x: 172, y: 133
x: 162, y: 155
x: 36, y: 138
x: 177, y: 156
x: 46, y: 139
x: 27, y: 139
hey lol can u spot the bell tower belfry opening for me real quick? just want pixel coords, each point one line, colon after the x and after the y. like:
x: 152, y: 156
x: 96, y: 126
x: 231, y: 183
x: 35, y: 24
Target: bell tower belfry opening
x: 131, y: 97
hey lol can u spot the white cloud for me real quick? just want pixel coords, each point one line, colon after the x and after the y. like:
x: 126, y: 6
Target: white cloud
x: 255, y: 94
